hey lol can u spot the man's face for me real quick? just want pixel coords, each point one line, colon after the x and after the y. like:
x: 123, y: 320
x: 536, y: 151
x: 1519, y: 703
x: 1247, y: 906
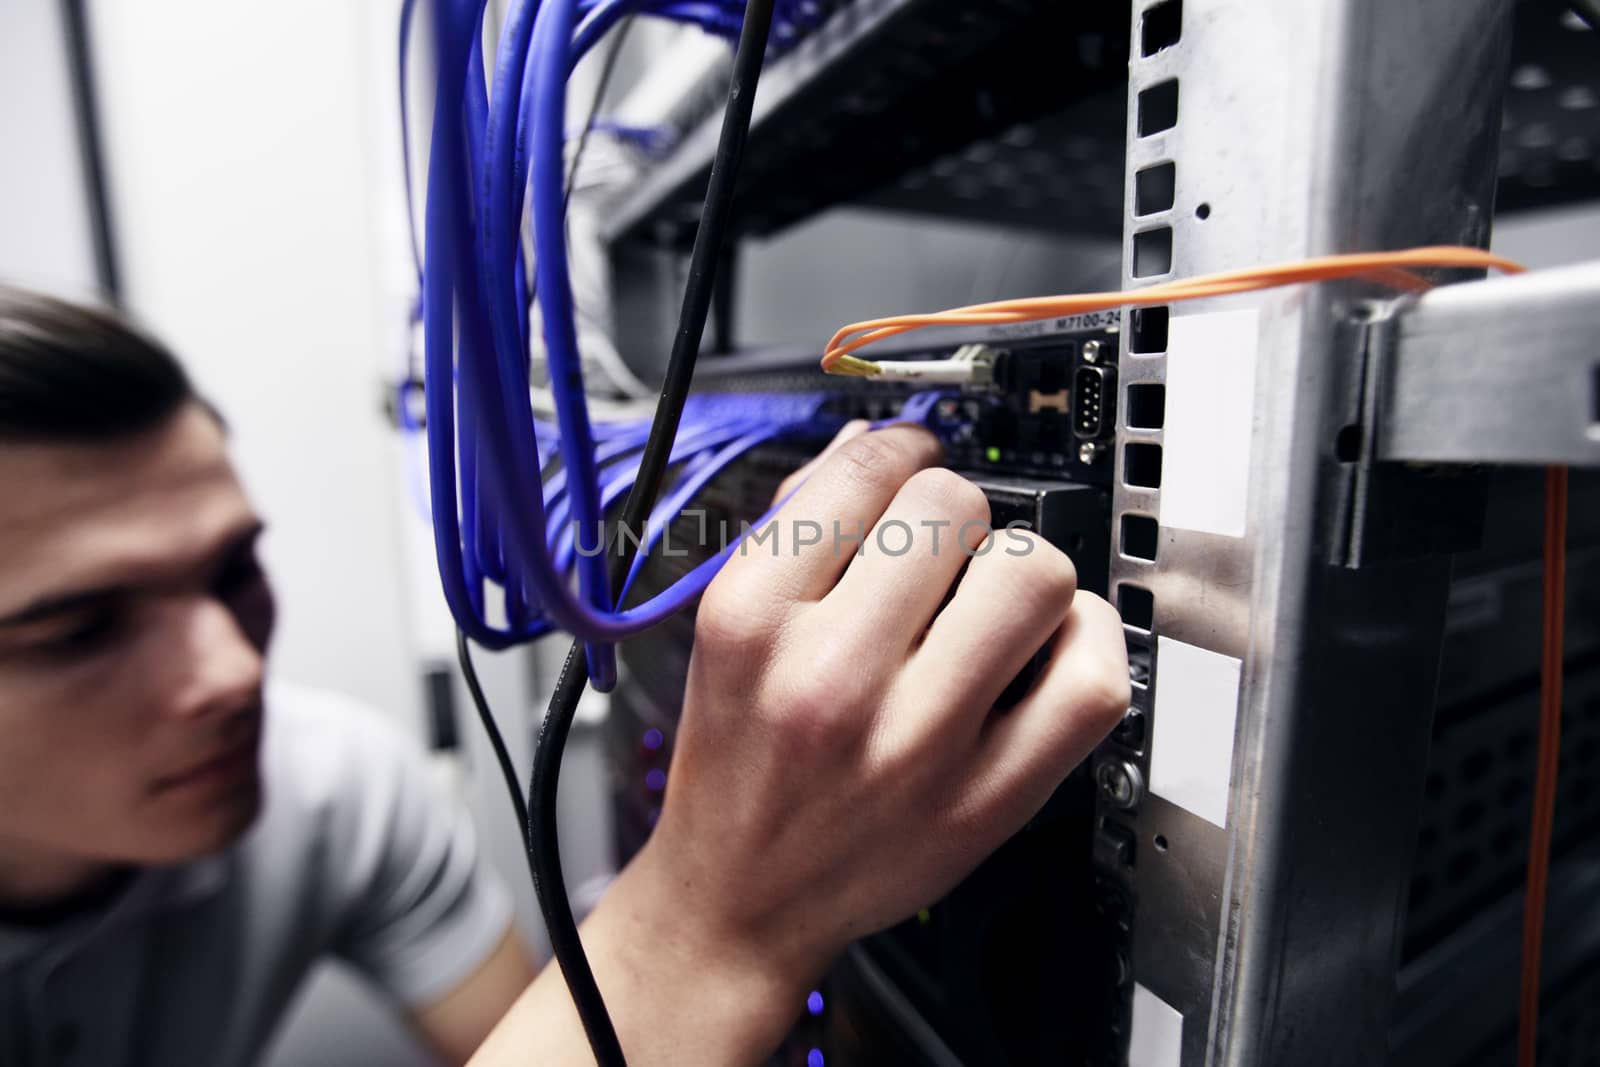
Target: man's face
x: 133, y: 621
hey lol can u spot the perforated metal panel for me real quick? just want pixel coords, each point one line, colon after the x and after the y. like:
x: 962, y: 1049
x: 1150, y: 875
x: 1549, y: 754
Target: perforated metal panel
x: 1472, y: 845
x: 1569, y: 1028
x: 1550, y: 138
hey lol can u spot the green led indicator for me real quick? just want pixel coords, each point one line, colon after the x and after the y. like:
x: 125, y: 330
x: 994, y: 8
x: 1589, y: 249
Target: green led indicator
x: 925, y: 916
x: 993, y: 454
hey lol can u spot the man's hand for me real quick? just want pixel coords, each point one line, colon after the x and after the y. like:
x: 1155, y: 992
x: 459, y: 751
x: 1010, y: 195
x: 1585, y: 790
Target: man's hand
x: 839, y: 763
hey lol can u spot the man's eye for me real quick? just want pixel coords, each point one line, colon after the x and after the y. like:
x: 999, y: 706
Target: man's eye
x: 239, y: 575
x: 85, y: 637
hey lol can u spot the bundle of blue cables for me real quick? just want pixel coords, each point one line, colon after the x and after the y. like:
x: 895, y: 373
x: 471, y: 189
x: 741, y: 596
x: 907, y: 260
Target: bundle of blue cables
x: 499, y: 513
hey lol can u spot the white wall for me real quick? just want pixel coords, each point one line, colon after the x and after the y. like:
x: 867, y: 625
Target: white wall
x: 44, y: 222
x: 255, y: 169
x: 240, y: 145
x: 237, y: 141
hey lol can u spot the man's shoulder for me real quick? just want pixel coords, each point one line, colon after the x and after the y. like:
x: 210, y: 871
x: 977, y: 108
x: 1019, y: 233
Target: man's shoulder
x: 324, y: 753
x: 309, y: 716
x: 305, y: 720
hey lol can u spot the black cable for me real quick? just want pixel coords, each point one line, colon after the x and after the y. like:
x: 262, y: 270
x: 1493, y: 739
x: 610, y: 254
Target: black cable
x: 544, y: 851
x: 722, y: 338
x: 508, y: 770
x: 600, y: 90
x: 86, y: 112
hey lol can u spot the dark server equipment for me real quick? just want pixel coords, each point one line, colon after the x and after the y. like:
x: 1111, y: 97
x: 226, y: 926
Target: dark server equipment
x: 1031, y: 114
x: 1025, y: 962
x: 1033, y: 421
x: 1463, y: 927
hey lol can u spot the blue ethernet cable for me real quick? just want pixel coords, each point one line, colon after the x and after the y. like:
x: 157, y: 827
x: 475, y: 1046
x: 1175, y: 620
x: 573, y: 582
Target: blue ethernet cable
x: 443, y: 218
x: 566, y: 542
x: 615, y: 489
x: 549, y: 66
x: 479, y: 527
x: 474, y: 278
x: 513, y: 397
x: 794, y: 20
x: 693, y: 481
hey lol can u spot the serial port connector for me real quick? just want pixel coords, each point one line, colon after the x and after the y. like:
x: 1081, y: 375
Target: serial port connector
x: 1094, y: 400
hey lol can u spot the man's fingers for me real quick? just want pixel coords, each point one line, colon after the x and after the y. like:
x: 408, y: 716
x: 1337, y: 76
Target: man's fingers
x: 795, y: 558
x: 1024, y: 753
x: 1011, y: 600
x: 890, y: 592
x: 852, y: 429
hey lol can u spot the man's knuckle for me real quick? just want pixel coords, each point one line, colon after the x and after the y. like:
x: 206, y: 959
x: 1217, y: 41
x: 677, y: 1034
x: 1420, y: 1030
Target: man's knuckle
x: 813, y: 716
x: 885, y: 459
x: 1104, y: 686
x: 1043, y: 578
x: 724, y: 623
x: 1100, y: 615
x: 949, y: 494
x: 873, y: 460
x: 1106, y: 694
x: 851, y: 429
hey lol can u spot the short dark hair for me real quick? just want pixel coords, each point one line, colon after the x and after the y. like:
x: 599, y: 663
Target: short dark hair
x: 70, y: 372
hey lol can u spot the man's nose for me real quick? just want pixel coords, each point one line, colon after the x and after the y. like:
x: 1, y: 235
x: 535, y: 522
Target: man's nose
x: 223, y: 669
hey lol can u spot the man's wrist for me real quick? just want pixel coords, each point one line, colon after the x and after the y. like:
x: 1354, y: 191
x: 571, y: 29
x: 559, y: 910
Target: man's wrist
x: 735, y: 992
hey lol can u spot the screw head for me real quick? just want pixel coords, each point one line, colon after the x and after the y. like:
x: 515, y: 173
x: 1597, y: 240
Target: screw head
x: 1088, y: 452
x: 1091, y: 351
x: 1121, y: 784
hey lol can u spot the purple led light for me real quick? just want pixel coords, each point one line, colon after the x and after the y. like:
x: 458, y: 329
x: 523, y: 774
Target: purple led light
x: 814, y: 1058
x: 653, y: 740
x: 814, y: 1003
x: 656, y: 779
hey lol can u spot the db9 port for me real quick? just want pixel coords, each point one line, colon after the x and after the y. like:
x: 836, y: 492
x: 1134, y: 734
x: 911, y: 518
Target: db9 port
x: 1093, y: 400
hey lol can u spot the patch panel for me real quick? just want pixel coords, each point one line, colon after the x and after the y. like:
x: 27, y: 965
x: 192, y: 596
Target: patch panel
x: 1033, y: 420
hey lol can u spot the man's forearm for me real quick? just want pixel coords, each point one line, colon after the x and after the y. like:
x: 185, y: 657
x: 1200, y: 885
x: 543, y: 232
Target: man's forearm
x: 678, y: 994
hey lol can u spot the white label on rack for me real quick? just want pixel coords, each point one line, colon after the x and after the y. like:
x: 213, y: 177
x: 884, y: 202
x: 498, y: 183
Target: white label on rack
x: 1157, y: 1037
x: 1205, y: 456
x: 1191, y: 744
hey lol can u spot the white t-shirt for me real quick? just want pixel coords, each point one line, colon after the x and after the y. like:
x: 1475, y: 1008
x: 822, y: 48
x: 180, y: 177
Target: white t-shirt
x: 358, y: 853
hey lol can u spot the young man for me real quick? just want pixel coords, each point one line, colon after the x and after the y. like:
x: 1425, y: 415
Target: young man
x: 172, y: 859
x: 180, y: 840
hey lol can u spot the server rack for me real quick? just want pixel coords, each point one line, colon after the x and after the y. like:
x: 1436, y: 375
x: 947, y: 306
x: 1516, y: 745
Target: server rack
x: 1286, y: 597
